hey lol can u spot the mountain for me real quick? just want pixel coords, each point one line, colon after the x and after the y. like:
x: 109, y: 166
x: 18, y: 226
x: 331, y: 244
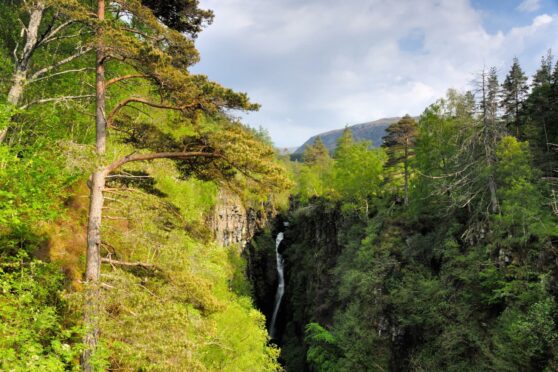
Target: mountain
x: 370, y: 131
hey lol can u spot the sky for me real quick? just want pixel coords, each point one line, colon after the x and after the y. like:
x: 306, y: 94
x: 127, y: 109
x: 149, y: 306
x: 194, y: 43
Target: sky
x: 318, y: 65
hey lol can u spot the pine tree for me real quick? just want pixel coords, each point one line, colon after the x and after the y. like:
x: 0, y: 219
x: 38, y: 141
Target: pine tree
x: 399, y: 143
x: 134, y: 40
x: 514, y: 93
x: 315, y: 153
x: 543, y: 75
x: 492, y: 96
x: 540, y: 130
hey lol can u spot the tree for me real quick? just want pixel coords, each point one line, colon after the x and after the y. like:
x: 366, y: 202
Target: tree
x: 357, y: 172
x: 314, y: 175
x: 344, y: 142
x: 456, y: 155
x: 50, y: 25
x: 514, y: 93
x: 316, y: 153
x: 133, y: 39
x: 539, y: 116
x: 492, y: 131
x: 399, y: 143
x: 544, y: 73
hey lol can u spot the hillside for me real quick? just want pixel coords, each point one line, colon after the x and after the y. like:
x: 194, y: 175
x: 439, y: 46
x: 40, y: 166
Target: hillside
x: 370, y: 131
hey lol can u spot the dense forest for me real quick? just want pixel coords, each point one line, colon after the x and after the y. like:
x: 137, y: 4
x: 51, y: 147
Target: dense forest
x: 435, y: 251
x: 138, y: 214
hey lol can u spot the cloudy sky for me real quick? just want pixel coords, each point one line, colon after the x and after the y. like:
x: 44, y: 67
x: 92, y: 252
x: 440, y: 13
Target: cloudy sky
x: 317, y: 65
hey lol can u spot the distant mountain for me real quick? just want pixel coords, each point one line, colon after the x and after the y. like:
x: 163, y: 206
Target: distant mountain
x: 371, y: 131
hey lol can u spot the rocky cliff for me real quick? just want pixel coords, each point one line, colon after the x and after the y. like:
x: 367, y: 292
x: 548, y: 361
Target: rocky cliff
x: 233, y: 223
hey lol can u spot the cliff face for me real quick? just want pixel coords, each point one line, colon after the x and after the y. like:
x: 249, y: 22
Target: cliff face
x: 232, y: 223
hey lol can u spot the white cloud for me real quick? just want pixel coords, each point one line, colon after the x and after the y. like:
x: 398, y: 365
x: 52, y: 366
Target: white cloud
x: 529, y: 6
x: 542, y: 20
x: 326, y: 63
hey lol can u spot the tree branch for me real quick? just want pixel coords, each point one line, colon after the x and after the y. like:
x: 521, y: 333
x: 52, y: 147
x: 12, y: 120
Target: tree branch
x: 60, y: 63
x: 129, y: 264
x: 158, y: 155
x: 127, y: 101
x: 56, y: 99
x: 49, y: 35
x: 60, y: 73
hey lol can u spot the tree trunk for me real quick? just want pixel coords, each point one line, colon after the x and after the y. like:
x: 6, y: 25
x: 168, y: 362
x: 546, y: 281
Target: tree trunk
x: 493, y: 197
x: 489, y: 135
x: 98, y: 179
x: 93, y: 268
x: 22, y: 63
x: 406, y: 173
x: 100, y: 114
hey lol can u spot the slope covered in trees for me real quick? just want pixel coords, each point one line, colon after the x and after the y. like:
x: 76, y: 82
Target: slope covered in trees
x: 436, y: 252
x: 111, y: 157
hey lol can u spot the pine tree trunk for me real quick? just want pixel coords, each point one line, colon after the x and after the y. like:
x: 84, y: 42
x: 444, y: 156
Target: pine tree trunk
x: 98, y: 180
x: 93, y: 269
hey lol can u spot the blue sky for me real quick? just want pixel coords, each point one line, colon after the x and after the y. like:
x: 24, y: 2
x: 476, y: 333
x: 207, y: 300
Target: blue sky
x: 317, y: 65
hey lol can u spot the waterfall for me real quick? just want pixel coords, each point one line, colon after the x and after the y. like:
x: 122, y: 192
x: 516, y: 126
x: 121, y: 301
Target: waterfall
x: 280, y: 287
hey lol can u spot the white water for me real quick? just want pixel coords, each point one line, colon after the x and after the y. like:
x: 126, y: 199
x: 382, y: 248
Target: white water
x: 280, y: 286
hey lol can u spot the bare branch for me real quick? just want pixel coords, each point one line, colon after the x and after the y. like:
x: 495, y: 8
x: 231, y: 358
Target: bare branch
x: 129, y: 264
x: 64, y: 37
x: 60, y: 63
x: 127, y: 176
x: 61, y: 73
x: 51, y: 33
x: 56, y: 99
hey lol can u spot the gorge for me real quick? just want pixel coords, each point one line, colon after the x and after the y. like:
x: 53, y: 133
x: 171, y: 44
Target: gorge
x: 147, y: 223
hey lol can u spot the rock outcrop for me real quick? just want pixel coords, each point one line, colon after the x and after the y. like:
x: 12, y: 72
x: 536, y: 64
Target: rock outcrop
x: 233, y: 223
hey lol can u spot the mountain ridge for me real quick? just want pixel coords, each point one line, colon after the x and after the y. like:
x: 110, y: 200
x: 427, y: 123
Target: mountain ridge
x: 368, y: 131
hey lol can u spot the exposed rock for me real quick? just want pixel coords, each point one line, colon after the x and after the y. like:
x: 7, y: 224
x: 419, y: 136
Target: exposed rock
x: 232, y: 223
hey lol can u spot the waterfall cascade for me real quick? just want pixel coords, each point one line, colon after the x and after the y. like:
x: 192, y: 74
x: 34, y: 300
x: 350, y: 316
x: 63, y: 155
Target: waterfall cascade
x: 280, y: 287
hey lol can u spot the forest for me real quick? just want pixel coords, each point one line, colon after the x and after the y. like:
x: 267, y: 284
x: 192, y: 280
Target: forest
x: 139, y: 214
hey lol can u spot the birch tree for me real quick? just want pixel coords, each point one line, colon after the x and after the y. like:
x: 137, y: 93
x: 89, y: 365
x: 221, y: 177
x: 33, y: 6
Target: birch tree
x: 44, y: 26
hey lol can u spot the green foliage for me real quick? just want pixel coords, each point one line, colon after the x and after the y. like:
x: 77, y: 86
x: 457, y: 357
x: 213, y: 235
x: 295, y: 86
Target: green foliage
x: 321, y: 354
x: 7, y: 111
x: 358, y: 172
x: 316, y: 153
x: 353, y: 176
x: 399, y: 143
x: 521, y: 218
x: 184, y: 311
x: 33, y: 181
x: 35, y: 331
x: 526, y: 339
x: 450, y: 283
